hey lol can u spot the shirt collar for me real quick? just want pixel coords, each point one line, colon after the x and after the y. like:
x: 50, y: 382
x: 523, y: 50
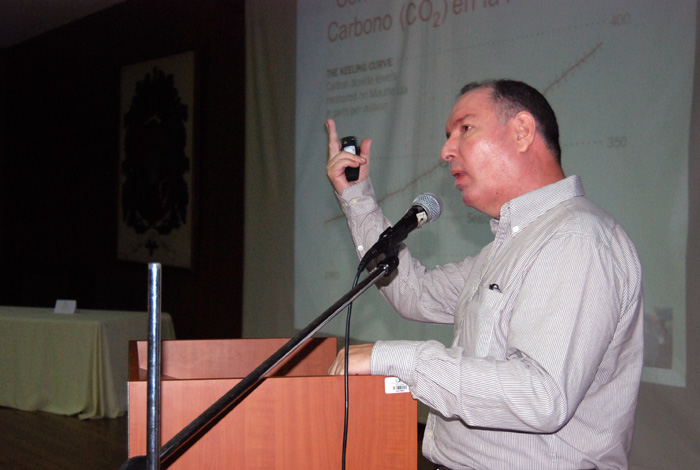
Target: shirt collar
x: 521, y: 211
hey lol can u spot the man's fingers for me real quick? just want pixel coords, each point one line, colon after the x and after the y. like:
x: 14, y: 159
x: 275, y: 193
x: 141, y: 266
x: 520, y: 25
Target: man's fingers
x: 333, y: 141
x: 338, y: 365
x: 359, y: 359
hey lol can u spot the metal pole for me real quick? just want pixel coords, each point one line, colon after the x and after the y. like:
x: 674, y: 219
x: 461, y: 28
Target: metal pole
x: 154, y: 368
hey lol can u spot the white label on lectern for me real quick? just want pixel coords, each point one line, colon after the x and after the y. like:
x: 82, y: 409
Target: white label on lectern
x: 394, y: 385
x: 65, y: 306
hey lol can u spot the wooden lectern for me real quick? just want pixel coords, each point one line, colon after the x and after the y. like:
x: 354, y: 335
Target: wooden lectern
x: 292, y: 420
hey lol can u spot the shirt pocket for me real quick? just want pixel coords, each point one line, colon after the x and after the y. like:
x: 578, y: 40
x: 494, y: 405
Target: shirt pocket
x: 477, y: 319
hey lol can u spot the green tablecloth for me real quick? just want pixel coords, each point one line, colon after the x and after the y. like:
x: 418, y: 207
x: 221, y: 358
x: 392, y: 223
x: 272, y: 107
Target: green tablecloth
x: 72, y: 364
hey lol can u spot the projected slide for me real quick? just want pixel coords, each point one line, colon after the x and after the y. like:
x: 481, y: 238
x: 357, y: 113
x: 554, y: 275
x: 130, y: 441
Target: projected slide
x: 618, y: 74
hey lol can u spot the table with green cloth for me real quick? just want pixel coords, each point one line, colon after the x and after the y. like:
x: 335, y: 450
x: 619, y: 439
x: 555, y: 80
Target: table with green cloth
x: 71, y: 364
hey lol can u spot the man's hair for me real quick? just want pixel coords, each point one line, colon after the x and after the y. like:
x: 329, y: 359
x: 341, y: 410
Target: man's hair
x: 512, y: 97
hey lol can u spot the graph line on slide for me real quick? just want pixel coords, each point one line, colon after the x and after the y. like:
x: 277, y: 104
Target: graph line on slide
x: 571, y: 69
x: 412, y: 182
x: 403, y: 188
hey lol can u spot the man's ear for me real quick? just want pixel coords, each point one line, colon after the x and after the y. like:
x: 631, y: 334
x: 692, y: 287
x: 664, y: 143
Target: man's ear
x: 523, y: 129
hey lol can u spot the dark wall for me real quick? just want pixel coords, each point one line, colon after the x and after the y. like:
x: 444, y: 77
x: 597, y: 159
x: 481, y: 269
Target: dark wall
x: 59, y: 150
x: 3, y: 107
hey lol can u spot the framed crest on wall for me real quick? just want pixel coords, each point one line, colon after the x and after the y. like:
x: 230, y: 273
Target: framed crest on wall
x: 155, y: 197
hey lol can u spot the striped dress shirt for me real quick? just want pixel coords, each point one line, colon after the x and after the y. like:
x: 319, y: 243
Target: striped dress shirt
x: 545, y: 365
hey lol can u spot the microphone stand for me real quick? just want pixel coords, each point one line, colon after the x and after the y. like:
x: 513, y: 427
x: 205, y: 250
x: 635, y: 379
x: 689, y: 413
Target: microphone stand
x: 184, y: 439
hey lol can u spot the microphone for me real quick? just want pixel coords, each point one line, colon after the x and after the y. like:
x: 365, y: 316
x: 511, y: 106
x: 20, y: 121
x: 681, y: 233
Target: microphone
x: 426, y: 208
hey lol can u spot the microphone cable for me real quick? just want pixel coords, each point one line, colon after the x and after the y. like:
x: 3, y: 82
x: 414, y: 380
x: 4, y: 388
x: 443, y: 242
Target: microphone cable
x: 345, y: 372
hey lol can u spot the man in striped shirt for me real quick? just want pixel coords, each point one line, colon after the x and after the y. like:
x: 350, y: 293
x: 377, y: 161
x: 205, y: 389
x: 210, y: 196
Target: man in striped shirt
x: 545, y: 365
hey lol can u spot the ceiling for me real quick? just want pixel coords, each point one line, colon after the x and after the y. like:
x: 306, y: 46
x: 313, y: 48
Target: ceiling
x: 24, y: 19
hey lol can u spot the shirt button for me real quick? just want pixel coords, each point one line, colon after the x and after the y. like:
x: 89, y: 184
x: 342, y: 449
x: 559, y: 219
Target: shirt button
x: 360, y: 247
x: 516, y: 229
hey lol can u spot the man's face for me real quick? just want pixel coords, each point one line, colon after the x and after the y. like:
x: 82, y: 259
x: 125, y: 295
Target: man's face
x: 477, y: 149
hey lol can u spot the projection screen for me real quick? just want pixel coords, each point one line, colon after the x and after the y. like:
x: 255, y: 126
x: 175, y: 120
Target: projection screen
x: 619, y: 75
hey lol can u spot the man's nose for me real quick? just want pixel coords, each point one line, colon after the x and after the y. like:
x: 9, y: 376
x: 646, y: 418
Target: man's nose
x: 448, y: 151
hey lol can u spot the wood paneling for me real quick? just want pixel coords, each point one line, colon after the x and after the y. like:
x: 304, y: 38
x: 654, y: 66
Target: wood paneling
x: 45, y: 441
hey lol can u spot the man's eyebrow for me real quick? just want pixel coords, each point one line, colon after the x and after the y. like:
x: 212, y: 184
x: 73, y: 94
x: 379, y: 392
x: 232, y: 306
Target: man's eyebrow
x: 468, y: 115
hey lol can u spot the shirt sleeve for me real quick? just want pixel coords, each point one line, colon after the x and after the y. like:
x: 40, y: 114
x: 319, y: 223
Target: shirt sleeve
x: 415, y: 292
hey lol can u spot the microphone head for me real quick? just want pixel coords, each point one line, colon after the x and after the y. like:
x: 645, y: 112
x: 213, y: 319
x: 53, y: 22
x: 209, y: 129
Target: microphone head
x: 431, y: 204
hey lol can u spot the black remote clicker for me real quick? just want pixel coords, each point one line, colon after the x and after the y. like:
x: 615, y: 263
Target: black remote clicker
x: 349, y: 145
